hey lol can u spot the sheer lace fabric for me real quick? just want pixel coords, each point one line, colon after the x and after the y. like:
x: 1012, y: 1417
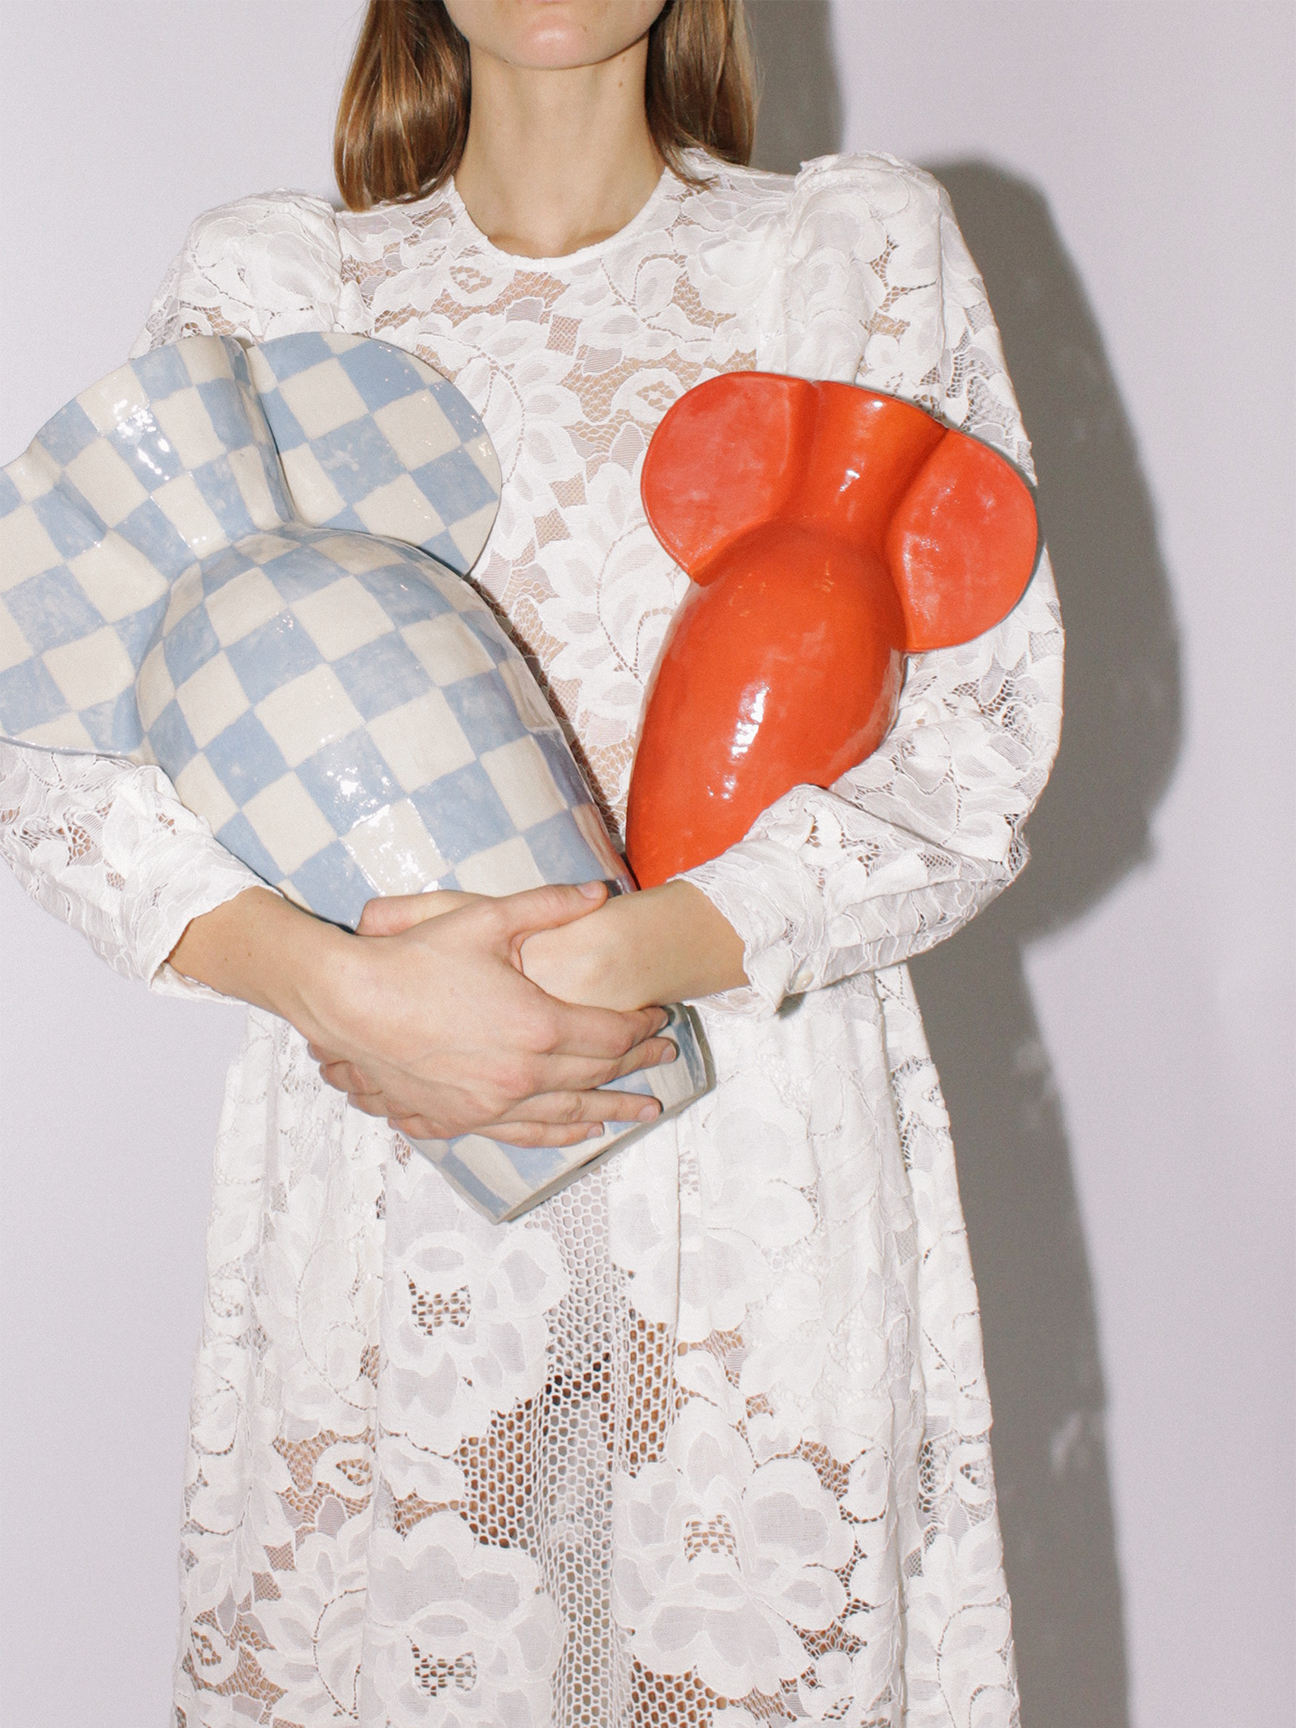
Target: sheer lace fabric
x: 111, y: 851
x: 705, y: 1439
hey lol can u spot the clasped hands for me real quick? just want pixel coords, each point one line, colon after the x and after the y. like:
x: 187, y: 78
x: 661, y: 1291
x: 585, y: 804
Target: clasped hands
x: 453, y: 1013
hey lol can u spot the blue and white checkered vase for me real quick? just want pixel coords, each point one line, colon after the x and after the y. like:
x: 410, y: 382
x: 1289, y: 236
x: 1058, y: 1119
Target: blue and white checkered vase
x: 207, y: 561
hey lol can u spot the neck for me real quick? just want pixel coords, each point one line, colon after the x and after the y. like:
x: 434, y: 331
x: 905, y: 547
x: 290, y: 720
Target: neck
x: 557, y: 159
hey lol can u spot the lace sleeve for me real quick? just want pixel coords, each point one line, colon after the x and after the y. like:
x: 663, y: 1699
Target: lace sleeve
x: 110, y: 850
x: 906, y: 847
x: 270, y: 265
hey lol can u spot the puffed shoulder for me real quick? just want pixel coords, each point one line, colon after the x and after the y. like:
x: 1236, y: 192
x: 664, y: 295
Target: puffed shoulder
x: 883, y: 182
x: 262, y: 266
x: 860, y: 299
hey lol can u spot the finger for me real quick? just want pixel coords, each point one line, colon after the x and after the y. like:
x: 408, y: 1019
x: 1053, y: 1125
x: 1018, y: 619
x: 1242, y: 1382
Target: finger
x: 652, y: 1053
x: 541, y: 1074
x: 370, y: 1103
x: 512, y: 1134
x: 586, y: 1074
x: 573, y: 1107
x: 551, y: 1119
x: 390, y: 914
x: 545, y: 1134
x: 517, y: 916
x: 605, y: 1034
x: 554, y: 1074
x: 345, y: 1077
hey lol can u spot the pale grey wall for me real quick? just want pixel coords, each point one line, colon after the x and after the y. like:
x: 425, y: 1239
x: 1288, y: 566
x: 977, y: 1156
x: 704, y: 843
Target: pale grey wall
x: 1123, y: 1100
x: 1115, y: 1036
x: 120, y: 120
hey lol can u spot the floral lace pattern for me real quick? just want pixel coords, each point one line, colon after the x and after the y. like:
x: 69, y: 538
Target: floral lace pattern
x: 705, y: 1439
x: 111, y: 851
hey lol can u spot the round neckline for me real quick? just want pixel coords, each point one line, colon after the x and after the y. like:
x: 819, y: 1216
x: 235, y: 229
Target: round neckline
x: 583, y: 254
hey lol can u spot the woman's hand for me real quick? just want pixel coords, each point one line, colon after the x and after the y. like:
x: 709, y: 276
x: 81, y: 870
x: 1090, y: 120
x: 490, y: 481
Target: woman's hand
x: 663, y: 945
x: 436, y: 1027
x: 667, y: 944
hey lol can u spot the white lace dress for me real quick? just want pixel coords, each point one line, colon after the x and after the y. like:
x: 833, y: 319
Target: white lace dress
x: 704, y: 1440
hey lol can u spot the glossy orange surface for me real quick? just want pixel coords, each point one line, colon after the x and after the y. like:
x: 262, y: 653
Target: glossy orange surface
x: 829, y: 531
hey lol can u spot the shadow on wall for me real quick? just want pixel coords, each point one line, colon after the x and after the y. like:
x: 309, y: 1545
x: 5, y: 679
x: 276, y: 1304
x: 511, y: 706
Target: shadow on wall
x: 800, y: 110
x: 1119, y: 745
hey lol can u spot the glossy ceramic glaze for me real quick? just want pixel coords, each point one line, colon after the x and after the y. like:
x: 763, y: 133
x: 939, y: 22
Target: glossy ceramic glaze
x: 342, y: 708
x: 248, y: 567
x: 829, y: 531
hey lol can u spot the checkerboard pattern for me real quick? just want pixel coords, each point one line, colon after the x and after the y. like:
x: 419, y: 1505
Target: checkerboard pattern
x: 131, y: 485
x: 352, y: 720
x: 374, y: 441
x: 208, y: 561
x: 345, y: 712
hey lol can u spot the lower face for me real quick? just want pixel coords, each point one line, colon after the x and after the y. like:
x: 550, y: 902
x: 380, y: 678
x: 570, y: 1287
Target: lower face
x: 553, y: 34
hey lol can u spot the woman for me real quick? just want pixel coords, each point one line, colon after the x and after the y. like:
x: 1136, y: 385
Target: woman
x: 705, y: 1438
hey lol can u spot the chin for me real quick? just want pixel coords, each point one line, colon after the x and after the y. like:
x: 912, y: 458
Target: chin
x: 553, y: 35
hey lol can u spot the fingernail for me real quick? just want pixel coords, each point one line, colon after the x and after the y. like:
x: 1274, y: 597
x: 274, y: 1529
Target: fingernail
x: 592, y: 890
x: 671, y: 1053
x: 594, y: 1130
x: 649, y: 1113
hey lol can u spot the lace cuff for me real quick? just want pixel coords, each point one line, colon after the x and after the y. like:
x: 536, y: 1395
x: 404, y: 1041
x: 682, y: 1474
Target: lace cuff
x: 775, y: 905
x: 110, y: 850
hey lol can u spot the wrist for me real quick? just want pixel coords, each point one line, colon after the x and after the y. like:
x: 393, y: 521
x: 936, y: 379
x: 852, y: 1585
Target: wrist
x: 263, y: 950
x: 679, y: 945
x: 575, y: 962
x: 312, y: 979
x: 666, y: 944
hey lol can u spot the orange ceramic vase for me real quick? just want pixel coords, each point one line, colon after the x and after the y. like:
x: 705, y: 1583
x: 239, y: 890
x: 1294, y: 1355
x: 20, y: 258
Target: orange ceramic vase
x: 829, y: 531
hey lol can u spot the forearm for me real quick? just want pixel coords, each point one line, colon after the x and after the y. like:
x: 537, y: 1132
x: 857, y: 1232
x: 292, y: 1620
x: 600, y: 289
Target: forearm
x: 265, y: 951
x: 668, y: 944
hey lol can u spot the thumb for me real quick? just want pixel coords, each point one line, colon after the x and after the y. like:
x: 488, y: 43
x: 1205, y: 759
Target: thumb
x: 390, y: 914
x: 535, y: 909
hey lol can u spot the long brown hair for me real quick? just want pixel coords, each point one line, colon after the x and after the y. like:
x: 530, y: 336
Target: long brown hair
x: 403, y: 119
